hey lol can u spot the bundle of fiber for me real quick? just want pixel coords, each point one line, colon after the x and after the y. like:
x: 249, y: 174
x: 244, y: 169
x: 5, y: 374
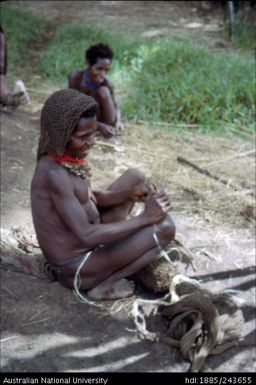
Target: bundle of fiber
x: 201, y: 322
x: 156, y: 276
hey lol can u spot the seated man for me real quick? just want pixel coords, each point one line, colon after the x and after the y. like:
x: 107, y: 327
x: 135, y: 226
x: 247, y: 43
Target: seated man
x: 92, y: 81
x: 9, y: 96
x: 78, y: 228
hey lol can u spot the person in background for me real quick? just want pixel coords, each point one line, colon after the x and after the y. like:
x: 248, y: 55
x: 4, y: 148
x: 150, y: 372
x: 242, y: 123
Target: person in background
x: 10, y: 96
x: 92, y: 81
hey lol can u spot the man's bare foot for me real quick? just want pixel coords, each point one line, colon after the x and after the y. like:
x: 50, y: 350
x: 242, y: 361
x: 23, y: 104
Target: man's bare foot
x: 120, y: 289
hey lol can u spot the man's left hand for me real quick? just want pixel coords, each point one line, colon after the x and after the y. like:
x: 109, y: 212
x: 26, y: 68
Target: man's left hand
x: 141, y: 192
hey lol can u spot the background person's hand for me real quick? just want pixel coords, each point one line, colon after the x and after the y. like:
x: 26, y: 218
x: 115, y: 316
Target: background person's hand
x: 119, y: 126
x: 107, y: 131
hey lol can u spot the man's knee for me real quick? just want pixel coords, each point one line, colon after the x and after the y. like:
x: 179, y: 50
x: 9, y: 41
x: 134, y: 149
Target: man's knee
x: 103, y: 93
x: 165, y: 231
x: 136, y: 175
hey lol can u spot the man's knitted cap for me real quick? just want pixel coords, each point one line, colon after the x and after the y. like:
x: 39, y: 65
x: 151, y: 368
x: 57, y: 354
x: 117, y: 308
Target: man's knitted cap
x: 59, y: 117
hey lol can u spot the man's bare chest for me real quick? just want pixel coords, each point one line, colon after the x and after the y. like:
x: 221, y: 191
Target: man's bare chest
x: 87, y: 199
x: 81, y: 189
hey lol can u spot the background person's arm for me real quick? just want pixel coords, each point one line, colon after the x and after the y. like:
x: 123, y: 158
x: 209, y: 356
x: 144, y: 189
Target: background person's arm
x: 2, y: 53
x: 74, y: 80
x: 118, y: 124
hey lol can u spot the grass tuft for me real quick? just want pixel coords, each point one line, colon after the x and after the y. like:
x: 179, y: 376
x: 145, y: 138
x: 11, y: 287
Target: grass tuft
x: 180, y: 82
x: 22, y: 29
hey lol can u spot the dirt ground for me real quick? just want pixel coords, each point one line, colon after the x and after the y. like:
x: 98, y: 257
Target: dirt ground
x: 44, y: 327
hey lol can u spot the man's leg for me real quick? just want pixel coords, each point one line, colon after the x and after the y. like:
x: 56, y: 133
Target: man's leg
x: 106, y: 267
x: 107, y: 110
x: 5, y: 90
x: 130, y: 178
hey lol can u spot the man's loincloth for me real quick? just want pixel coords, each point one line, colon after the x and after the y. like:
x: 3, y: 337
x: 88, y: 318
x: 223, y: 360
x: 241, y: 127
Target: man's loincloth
x: 65, y: 273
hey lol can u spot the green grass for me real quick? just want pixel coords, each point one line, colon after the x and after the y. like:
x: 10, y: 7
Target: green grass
x: 179, y: 82
x: 164, y: 79
x: 66, y: 51
x: 244, y: 32
x: 21, y: 29
x: 156, y: 79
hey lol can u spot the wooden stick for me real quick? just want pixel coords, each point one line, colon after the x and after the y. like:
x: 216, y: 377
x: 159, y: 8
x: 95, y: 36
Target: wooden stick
x: 207, y: 173
x: 202, y: 170
x: 36, y: 322
x: 247, y: 153
x: 100, y: 143
x: 243, y: 132
x: 169, y: 124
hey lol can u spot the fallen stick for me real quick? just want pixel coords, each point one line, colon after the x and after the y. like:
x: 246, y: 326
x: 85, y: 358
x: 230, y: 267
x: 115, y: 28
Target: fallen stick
x: 247, y: 134
x: 207, y: 173
x: 169, y: 124
x: 35, y: 322
x: 100, y: 143
x: 247, y: 153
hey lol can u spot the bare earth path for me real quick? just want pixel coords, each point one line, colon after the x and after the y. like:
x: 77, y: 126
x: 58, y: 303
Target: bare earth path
x: 44, y: 327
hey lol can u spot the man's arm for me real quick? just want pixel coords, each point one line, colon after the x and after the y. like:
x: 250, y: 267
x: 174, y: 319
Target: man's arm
x: 110, y: 198
x: 2, y: 53
x: 110, y: 86
x: 118, y: 123
x: 75, y: 218
x: 74, y: 80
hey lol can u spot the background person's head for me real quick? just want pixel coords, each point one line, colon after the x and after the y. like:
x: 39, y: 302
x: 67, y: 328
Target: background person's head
x: 60, y: 116
x: 98, y: 58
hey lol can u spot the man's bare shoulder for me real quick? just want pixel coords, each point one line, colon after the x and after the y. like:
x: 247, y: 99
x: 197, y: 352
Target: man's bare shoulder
x: 52, y: 176
x: 76, y: 73
x: 74, y: 78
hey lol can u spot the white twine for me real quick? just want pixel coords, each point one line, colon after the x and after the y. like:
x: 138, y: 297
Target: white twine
x: 77, y: 280
x: 77, y: 283
x: 163, y: 253
x: 138, y: 315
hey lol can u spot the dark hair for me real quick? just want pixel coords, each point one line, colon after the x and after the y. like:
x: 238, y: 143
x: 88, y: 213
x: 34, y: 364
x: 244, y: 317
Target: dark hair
x: 89, y: 113
x: 98, y: 51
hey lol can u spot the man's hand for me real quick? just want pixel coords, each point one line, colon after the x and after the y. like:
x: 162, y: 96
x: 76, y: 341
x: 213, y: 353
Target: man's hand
x: 119, y: 126
x: 142, y: 192
x: 156, y: 207
x: 106, y: 131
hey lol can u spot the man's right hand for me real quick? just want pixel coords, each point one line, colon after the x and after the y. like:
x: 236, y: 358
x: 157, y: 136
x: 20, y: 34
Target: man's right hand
x: 156, y: 207
x: 106, y: 131
x: 119, y: 126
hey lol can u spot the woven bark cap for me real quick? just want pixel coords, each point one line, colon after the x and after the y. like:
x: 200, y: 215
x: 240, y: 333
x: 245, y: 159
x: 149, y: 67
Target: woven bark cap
x: 59, y: 117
